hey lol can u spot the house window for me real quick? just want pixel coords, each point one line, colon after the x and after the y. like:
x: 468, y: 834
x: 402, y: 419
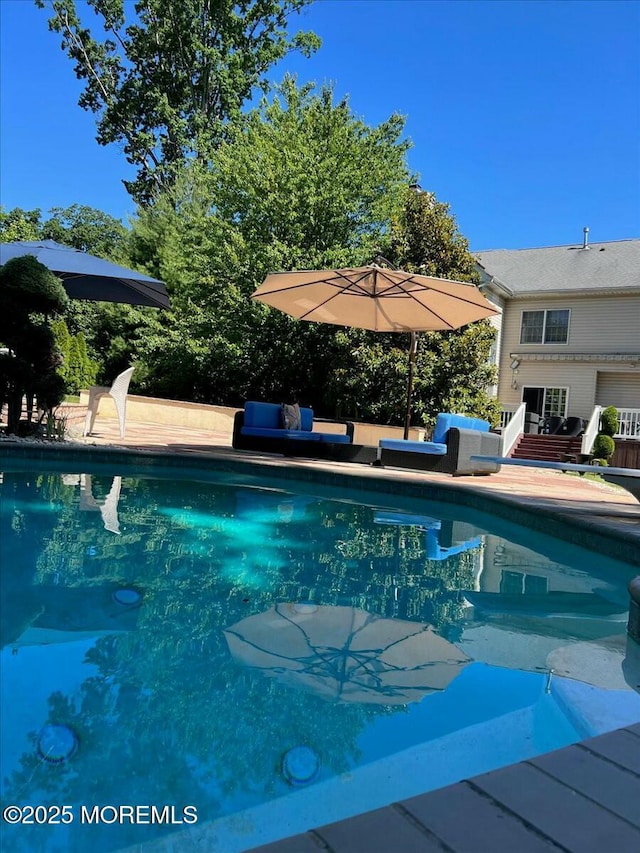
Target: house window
x: 545, y: 327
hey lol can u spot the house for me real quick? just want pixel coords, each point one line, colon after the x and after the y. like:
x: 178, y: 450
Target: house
x: 569, y: 328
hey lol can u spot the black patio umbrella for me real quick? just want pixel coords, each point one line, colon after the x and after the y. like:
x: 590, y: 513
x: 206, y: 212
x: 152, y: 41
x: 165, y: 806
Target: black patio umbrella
x: 85, y: 276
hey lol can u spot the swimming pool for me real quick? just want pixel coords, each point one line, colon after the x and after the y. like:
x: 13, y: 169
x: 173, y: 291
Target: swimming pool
x: 268, y: 657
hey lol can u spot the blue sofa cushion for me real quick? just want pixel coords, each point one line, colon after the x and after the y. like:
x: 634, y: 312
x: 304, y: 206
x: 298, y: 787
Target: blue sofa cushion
x: 336, y: 438
x: 264, y: 415
x: 296, y: 434
x: 264, y: 420
x: 432, y: 447
x: 269, y: 416
x: 306, y: 419
x: 264, y: 432
x: 446, y: 420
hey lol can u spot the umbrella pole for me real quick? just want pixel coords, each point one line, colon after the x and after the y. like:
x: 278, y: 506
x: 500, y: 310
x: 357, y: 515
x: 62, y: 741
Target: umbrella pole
x: 413, y: 349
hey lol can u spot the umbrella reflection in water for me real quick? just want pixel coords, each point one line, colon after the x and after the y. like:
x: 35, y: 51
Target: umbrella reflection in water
x: 345, y: 654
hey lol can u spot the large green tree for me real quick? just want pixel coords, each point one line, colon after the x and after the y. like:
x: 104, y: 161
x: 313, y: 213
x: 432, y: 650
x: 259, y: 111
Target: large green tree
x: 87, y: 229
x: 167, y: 77
x: 80, y: 226
x: 453, y: 369
x: 300, y: 182
x: 18, y: 224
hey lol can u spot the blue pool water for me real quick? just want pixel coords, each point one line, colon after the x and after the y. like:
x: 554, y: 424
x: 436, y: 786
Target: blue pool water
x: 270, y: 660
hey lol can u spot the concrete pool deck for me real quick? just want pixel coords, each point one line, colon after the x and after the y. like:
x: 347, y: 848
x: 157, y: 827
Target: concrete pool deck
x: 583, y: 798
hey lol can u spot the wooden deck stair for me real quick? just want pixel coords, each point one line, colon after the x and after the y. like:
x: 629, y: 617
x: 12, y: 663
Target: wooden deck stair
x: 549, y: 448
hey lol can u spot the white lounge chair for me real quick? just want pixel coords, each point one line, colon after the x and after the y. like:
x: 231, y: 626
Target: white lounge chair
x: 118, y: 392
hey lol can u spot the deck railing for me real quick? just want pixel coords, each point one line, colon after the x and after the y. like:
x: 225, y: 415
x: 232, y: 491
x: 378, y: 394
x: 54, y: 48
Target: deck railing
x: 590, y: 433
x: 505, y: 417
x: 628, y: 426
x: 512, y: 431
x: 628, y: 423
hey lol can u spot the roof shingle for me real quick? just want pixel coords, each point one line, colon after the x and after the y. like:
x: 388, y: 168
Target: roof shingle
x: 603, y: 266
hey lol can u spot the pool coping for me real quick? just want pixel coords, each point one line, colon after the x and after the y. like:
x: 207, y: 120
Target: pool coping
x: 600, y: 532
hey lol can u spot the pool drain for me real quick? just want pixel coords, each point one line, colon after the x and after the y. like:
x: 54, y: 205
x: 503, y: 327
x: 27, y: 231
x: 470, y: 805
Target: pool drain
x: 300, y: 765
x: 57, y: 744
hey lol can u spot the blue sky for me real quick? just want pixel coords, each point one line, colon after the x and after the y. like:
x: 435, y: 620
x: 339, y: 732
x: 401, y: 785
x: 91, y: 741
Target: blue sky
x: 524, y: 114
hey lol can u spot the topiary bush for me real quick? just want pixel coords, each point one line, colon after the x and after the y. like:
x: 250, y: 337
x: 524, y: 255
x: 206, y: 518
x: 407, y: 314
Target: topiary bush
x: 603, y: 447
x: 30, y: 296
x: 609, y: 421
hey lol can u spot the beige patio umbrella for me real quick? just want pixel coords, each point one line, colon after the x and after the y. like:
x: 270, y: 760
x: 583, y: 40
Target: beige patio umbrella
x: 345, y: 654
x: 377, y: 299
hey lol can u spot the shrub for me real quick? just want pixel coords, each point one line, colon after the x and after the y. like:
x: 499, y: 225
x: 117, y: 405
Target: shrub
x: 30, y: 296
x: 603, y: 447
x: 76, y: 368
x: 609, y: 421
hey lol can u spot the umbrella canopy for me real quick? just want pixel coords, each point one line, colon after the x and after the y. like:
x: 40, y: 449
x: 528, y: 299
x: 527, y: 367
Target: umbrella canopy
x: 85, y: 276
x: 381, y: 300
x: 378, y: 299
x: 345, y: 654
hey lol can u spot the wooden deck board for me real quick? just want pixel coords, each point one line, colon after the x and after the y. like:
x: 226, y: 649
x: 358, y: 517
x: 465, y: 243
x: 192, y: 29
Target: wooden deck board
x: 580, y: 799
x: 491, y: 827
x: 573, y: 821
x: 620, y: 747
x: 613, y: 787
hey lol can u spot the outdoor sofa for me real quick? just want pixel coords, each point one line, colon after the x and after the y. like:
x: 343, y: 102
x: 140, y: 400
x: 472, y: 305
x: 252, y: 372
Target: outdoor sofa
x: 456, y: 439
x: 260, y: 426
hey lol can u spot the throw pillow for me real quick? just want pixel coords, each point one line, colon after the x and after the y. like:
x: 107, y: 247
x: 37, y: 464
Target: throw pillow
x: 291, y: 416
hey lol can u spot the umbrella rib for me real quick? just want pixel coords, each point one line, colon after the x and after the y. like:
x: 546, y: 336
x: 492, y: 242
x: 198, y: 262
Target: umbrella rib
x: 390, y: 645
x: 457, y: 298
x: 319, y: 280
x: 434, y: 313
x: 267, y: 651
x: 361, y: 292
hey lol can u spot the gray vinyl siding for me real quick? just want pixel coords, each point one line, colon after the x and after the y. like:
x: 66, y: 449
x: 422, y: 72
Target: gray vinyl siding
x: 597, y: 325
x: 579, y: 379
x: 619, y: 389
